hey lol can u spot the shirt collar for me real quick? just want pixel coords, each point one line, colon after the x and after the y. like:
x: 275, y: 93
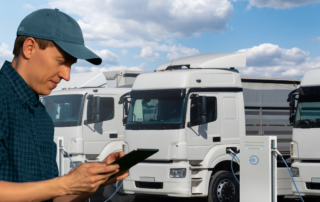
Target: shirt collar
x: 19, y: 85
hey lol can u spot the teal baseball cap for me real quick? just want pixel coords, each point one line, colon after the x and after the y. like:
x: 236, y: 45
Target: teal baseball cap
x: 63, y: 30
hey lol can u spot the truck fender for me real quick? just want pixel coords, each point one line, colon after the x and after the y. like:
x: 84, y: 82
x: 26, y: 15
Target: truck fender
x: 214, y: 153
x: 114, y: 146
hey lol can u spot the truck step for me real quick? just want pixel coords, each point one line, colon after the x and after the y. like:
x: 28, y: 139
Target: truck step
x: 196, y: 167
x: 196, y: 179
x: 196, y: 194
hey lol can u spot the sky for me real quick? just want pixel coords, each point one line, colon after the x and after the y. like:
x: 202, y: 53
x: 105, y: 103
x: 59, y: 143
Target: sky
x: 281, y: 37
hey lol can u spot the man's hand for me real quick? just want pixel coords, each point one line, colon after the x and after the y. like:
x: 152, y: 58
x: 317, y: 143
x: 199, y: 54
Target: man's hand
x: 87, y: 178
x: 119, y: 176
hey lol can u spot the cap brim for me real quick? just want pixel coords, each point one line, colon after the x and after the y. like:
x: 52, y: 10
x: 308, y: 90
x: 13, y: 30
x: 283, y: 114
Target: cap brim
x: 79, y: 51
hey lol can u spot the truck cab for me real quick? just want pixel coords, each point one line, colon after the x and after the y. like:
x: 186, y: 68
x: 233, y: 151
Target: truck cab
x: 305, y: 118
x: 193, y: 109
x: 87, y: 117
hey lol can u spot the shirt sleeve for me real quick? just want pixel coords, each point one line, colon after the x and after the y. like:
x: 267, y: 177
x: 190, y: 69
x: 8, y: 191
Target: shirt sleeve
x: 4, y: 130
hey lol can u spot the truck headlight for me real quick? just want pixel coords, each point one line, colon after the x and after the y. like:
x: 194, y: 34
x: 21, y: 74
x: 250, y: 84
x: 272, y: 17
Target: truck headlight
x: 178, y: 173
x: 76, y: 163
x: 294, y: 171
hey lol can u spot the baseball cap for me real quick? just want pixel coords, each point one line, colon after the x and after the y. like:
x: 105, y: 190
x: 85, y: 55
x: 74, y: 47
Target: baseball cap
x: 63, y: 30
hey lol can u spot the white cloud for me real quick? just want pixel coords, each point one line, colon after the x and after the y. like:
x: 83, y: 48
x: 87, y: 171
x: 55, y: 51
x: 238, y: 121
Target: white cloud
x: 168, y: 46
x: 272, y: 55
x: 82, y: 69
x: 148, y: 23
x: 148, y: 19
x: 28, y: 6
x: 107, y: 57
x: 5, y: 53
x: 148, y: 53
x: 279, y: 4
x: 269, y: 60
x: 124, y: 52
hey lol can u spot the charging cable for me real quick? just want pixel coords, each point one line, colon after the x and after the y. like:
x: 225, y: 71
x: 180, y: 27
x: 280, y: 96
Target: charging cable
x: 234, y: 155
x: 232, y: 168
x: 278, y: 153
x: 73, y: 166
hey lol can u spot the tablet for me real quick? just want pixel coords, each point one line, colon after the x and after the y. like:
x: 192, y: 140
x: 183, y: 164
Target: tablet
x: 132, y: 158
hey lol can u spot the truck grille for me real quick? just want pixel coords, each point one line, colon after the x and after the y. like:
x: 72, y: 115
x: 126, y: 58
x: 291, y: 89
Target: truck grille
x: 149, y: 185
x: 315, y: 186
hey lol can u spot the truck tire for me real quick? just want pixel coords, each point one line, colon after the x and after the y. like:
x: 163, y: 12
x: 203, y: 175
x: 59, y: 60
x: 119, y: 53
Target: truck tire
x: 280, y: 198
x: 120, y: 196
x: 223, y: 188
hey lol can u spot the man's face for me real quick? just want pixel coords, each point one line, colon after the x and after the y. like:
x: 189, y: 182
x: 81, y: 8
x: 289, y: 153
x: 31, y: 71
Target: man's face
x: 49, y: 66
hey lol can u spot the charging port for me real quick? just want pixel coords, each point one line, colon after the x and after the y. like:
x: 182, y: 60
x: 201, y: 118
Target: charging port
x: 234, y: 149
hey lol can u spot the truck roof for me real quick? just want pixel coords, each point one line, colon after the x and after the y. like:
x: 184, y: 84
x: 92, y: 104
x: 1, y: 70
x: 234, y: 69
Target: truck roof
x: 211, y: 60
x: 206, y: 78
x: 90, y: 90
x: 188, y: 78
x: 91, y: 79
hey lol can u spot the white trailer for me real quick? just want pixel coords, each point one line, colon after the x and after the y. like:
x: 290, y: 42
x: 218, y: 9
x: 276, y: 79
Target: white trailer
x: 305, y: 150
x: 87, y: 119
x: 192, y: 110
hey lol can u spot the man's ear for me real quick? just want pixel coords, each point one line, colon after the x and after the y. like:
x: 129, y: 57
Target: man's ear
x: 28, y: 48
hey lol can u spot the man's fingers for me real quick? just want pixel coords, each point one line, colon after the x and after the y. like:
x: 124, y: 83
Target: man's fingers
x: 122, y: 177
x: 102, y: 170
x: 114, y: 156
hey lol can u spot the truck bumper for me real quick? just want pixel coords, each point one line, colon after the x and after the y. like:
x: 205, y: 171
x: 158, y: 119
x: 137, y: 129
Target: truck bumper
x: 158, y: 180
x: 308, y: 182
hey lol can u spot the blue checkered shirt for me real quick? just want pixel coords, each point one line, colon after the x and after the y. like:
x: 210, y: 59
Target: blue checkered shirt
x: 27, y: 149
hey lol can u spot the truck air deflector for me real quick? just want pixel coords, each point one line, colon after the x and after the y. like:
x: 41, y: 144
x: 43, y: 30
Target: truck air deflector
x: 211, y: 60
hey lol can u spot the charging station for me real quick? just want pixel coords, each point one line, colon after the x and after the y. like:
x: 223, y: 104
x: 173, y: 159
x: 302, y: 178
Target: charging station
x: 59, y: 158
x: 258, y: 169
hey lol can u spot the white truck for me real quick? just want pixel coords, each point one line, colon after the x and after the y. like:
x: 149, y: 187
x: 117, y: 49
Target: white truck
x: 192, y: 109
x: 305, y: 150
x: 87, y: 117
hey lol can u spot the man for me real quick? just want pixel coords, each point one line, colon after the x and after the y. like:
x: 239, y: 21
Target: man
x: 48, y: 42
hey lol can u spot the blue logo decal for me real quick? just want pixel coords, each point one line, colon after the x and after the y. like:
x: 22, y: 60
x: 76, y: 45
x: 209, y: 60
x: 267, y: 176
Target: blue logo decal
x: 254, y: 160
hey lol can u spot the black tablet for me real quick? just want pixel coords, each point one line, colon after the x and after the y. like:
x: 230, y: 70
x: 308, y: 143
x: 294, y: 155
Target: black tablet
x: 134, y: 157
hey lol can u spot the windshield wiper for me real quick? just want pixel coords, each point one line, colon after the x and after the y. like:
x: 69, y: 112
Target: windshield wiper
x: 310, y: 122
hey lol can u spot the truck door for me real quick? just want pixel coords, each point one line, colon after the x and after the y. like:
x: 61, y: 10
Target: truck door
x: 201, y: 138
x: 97, y: 135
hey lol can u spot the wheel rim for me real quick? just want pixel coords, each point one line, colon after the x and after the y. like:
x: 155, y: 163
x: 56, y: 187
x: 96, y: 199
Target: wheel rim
x: 116, y: 185
x: 226, y: 191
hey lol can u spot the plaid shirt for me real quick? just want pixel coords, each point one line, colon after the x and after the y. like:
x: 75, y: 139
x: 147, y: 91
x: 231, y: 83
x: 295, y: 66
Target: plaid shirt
x: 27, y: 149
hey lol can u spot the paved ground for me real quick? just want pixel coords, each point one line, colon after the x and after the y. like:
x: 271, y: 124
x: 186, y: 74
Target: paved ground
x: 152, y: 199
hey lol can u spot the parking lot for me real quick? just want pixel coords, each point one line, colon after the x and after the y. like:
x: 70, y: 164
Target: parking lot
x: 171, y: 199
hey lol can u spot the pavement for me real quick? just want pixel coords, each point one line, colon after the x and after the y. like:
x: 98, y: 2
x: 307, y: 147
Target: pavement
x: 173, y: 199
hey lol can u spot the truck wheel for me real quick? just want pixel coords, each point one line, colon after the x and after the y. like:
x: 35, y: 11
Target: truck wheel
x: 280, y: 198
x: 120, y: 196
x: 223, y: 188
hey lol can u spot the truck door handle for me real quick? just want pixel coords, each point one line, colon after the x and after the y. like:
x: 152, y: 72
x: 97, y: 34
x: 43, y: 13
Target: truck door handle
x: 216, y: 139
x: 113, y: 135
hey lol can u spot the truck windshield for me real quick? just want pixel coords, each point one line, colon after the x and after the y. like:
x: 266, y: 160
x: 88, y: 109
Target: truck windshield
x: 308, y: 112
x: 65, y: 110
x: 155, y: 113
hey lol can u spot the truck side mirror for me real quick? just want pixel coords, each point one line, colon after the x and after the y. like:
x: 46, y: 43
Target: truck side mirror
x: 126, y: 107
x: 292, y: 116
x: 96, y: 109
x: 202, y: 110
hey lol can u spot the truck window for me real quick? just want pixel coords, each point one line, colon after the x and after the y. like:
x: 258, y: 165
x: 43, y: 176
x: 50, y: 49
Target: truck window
x: 64, y: 110
x: 211, y: 110
x: 106, y: 110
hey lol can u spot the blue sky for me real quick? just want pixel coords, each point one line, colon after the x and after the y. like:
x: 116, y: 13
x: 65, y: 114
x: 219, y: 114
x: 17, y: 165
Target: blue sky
x: 281, y: 37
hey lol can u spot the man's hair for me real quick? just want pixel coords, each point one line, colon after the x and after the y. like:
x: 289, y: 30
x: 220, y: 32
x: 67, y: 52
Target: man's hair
x: 18, y: 44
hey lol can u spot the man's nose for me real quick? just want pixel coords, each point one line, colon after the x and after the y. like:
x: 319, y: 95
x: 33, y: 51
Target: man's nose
x: 65, y: 73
